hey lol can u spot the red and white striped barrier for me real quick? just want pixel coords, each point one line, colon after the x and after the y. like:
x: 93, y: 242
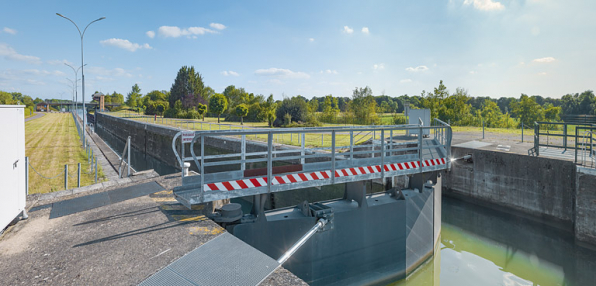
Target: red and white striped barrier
x: 303, y: 177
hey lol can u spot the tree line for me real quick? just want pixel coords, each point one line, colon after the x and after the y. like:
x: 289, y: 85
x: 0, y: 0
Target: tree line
x: 190, y: 98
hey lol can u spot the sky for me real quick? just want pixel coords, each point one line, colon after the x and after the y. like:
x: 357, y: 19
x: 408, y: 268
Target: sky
x: 490, y: 48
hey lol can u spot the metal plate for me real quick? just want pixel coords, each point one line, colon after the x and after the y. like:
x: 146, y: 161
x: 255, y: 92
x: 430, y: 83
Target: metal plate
x: 473, y: 144
x: 225, y: 260
x: 135, y: 191
x: 68, y: 207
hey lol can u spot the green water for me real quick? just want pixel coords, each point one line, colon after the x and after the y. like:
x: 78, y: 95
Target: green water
x: 485, y: 247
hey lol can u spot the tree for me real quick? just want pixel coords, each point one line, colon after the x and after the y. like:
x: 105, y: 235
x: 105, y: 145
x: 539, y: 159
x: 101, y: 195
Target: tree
x: 133, y: 96
x: 491, y: 113
x: 202, y: 109
x: 242, y: 111
x: 330, y: 109
x: 218, y: 104
x: 527, y: 110
x: 270, y: 107
x: 295, y: 106
x: 363, y: 106
x: 235, y: 96
x: 188, y: 87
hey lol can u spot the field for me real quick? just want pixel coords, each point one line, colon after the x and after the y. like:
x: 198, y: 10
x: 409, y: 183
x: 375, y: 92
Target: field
x: 51, y: 142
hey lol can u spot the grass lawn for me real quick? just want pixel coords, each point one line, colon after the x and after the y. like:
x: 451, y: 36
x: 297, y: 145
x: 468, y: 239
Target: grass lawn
x: 51, y: 142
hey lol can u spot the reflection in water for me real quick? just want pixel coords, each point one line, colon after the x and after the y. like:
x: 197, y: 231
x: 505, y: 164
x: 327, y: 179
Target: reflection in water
x: 486, y: 247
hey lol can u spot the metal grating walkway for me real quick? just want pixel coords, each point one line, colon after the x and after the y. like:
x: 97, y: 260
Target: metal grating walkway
x: 93, y: 201
x: 225, y: 260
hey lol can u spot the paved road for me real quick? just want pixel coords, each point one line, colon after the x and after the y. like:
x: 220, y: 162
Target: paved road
x: 38, y: 115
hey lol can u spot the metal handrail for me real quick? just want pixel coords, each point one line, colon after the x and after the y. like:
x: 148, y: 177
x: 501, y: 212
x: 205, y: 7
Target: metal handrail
x: 326, y: 159
x: 125, y: 152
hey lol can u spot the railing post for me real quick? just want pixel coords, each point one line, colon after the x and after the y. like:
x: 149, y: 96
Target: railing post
x: 383, y: 156
x: 79, y: 175
x: 537, y: 138
x: 420, y: 148
x: 302, y: 153
x: 202, y: 165
x: 333, y: 157
x: 96, y: 170
x: 322, y: 140
x: 243, y: 153
x: 128, y: 154
x: 565, y: 136
x: 351, y: 144
x: 269, y: 161
x: 66, y: 177
x: 522, y: 132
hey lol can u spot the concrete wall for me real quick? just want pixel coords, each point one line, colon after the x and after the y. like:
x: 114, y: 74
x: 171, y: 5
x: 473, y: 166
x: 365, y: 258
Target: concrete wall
x: 585, y: 205
x: 552, y: 190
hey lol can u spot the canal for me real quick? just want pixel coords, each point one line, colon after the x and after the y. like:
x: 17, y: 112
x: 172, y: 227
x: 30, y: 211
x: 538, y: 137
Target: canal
x: 479, y: 246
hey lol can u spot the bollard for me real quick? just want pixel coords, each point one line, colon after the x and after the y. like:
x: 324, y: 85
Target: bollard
x: 522, y: 132
x: 66, y: 177
x: 482, y: 129
x: 79, y: 176
x: 96, y: 170
x: 186, y: 168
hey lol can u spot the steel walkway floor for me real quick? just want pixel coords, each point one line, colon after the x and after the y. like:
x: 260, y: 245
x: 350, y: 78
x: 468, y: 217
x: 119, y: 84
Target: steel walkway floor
x: 68, y: 207
x: 225, y: 260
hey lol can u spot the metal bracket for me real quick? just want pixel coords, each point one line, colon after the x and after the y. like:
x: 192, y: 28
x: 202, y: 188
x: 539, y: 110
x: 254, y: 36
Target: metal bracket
x: 319, y: 211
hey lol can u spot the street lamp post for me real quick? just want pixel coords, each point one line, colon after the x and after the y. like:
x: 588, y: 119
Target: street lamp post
x: 76, y: 94
x: 82, y: 65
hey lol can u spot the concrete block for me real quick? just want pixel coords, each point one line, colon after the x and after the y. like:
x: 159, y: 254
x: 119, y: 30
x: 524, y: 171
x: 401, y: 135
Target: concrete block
x: 585, y: 206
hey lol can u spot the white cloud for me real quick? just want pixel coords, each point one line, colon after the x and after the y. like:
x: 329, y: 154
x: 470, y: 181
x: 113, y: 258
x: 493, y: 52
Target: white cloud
x: 380, y: 66
x: 10, y: 54
x: 544, y: 60
x: 230, y: 73
x: 284, y: 73
x: 150, y: 34
x: 485, y: 5
x: 9, y: 30
x: 417, y: 69
x: 124, y: 44
x: 542, y: 73
x: 329, y: 72
x: 365, y: 30
x: 311, y: 39
x: 217, y: 26
x: 348, y: 30
x: 405, y: 80
x: 175, y: 32
x: 472, y: 72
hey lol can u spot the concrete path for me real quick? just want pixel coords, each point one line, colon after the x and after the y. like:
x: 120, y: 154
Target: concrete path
x: 38, y: 115
x: 105, y: 155
x: 117, y: 244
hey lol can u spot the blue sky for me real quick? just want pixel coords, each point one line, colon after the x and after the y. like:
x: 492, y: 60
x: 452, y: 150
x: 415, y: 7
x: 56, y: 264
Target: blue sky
x: 312, y: 48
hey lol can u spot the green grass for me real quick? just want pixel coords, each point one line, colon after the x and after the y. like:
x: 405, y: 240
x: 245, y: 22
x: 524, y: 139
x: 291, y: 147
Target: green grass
x: 51, y: 142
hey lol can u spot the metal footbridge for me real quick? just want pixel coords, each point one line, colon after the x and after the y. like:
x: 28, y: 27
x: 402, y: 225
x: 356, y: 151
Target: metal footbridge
x: 259, y: 162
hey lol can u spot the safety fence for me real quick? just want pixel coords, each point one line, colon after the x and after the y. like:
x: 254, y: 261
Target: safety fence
x: 65, y: 173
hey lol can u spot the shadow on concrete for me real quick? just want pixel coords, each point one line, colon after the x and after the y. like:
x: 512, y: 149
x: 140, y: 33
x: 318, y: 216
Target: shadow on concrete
x: 157, y: 227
